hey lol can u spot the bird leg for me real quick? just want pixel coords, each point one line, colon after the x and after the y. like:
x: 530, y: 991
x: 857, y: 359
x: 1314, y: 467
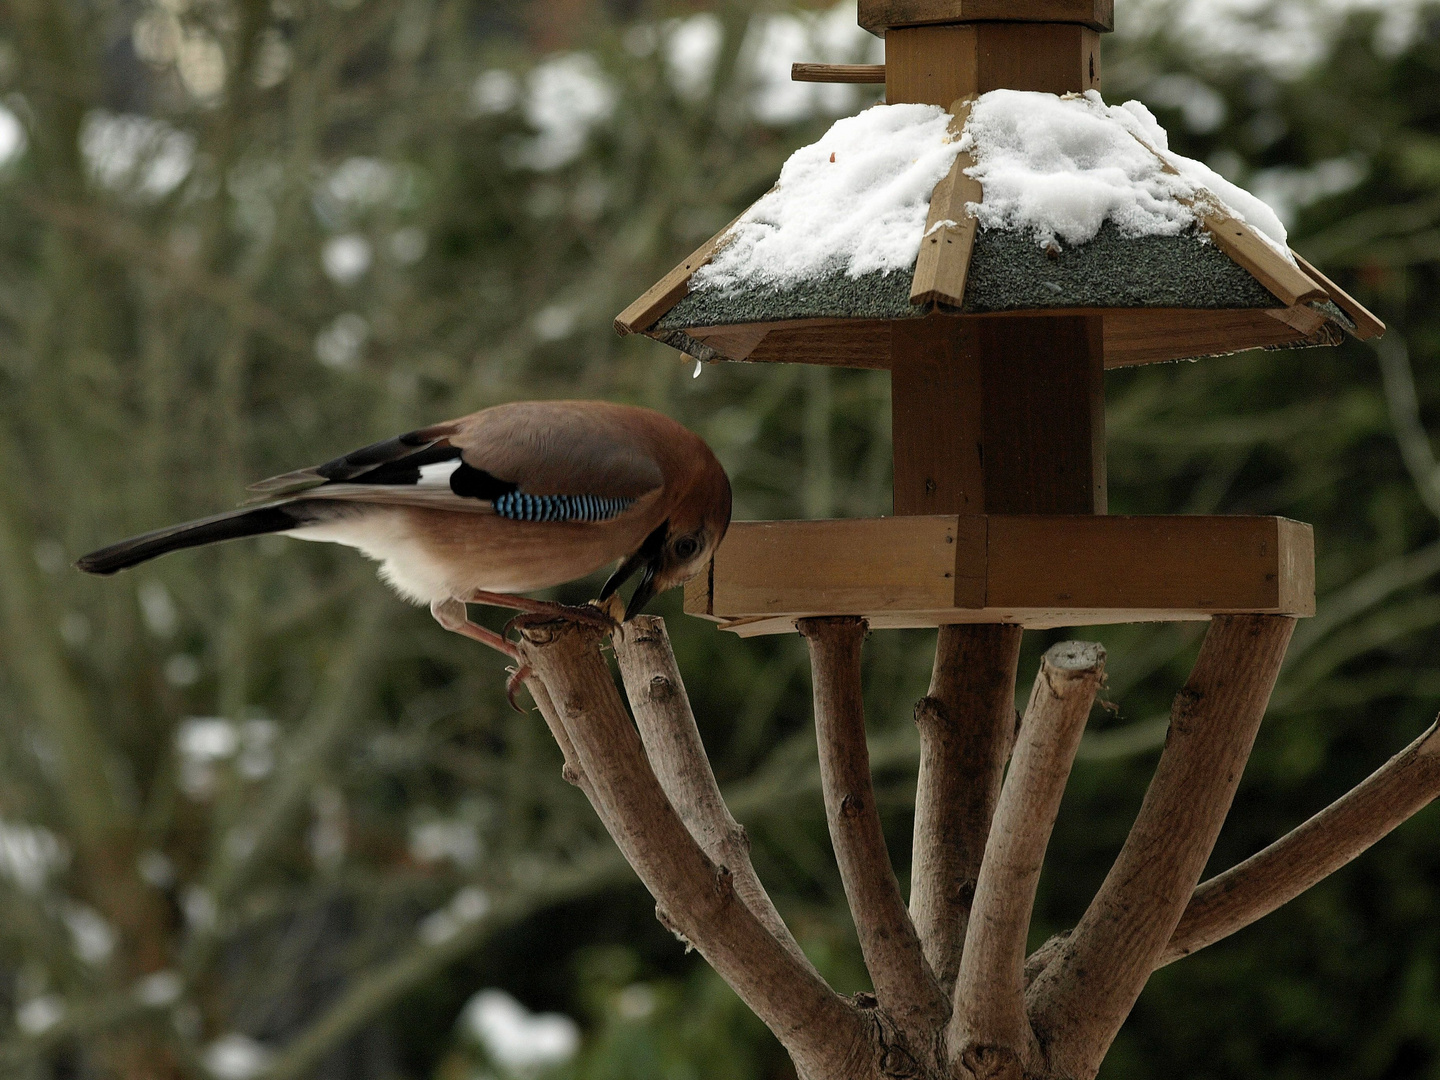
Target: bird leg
x: 451, y: 614
x: 588, y: 614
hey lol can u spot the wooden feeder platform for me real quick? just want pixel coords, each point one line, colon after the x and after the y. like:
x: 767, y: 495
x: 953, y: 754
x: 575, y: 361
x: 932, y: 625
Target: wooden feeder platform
x: 1035, y: 571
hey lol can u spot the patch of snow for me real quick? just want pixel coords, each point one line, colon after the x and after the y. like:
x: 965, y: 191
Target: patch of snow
x: 346, y: 258
x: 692, y: 47
x: 29, y: 854
x: 567, y: 97
x: 339, y: 345
x: 159, y: 989
x: 93, y: 938
x: 517, y: 1039
x: 236, y: 1057
x: 39, y: 1015
x: 12, y: 136
x: 1289, y: 189
x: 442, y: 839
x: 1283, y: 36
x: 469, y: 905
x: 1056, y: 168
x: 856, y: 201
x: 135, y: 153
x: 776, y: 41
x: 494, y: 91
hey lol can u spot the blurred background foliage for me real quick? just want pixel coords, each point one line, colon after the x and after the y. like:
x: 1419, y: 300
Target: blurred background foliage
x: 261, y: 821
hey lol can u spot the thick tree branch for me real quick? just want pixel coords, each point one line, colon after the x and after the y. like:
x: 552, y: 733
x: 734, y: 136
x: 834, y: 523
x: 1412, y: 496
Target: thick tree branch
x: 967, y: 723
x: 1079, y: 1002
x: 903, y: 982
x: 695, y: 897
x: 1231, y: 901
x: 677, y: 754
x: 989, y: 1031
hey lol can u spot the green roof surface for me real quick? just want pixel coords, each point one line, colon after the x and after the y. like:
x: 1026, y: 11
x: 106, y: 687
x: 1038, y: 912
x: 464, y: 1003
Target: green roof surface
x: 1008, y: 272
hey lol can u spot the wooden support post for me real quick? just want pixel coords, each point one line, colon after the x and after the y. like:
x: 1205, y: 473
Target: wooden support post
x: 999, y: 416
x: 936, y: 65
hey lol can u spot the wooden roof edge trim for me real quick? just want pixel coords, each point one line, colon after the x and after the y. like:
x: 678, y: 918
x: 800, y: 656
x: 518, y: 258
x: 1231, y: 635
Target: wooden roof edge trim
x: 1367, y: 325
x: 1246, y: 247
x: 652, y: 305
x: 942, y: 265
x: 1244, y: 244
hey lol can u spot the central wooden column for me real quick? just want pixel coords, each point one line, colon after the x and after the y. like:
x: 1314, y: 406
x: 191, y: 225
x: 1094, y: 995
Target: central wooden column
x: 995, y: 414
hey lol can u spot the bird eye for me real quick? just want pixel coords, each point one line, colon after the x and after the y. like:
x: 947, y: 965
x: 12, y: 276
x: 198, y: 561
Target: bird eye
x: 686, y: 547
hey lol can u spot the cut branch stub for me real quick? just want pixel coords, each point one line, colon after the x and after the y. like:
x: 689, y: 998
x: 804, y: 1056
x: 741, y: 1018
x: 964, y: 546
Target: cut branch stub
x: 990, y: 1020
x: 823, y: 1034
x: 1231, y: 901
x: 1079, y: 1001
x: 903, y: 982
x: 967, y: 723
x: 672, y: 742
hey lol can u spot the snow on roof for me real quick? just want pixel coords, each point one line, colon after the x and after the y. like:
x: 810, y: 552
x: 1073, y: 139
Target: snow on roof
x: 1058, y: 168
x: 856, y: 200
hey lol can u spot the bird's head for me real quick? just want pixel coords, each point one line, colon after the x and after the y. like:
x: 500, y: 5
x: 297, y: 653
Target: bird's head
x: 681, y: 546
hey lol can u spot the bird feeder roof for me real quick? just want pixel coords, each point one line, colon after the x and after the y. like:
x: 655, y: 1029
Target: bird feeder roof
x: 1010, y: 203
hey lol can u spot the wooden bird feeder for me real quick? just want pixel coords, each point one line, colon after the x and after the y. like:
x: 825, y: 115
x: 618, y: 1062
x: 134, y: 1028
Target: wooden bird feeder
x: 997, y: 352
x: 997, y: 348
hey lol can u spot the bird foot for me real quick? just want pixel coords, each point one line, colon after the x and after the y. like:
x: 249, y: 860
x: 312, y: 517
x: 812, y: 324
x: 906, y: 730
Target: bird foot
x: 537, y: 611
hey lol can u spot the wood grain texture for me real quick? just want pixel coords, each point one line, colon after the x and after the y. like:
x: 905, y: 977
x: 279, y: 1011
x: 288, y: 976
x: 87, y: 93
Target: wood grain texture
x: 943, y: 264
x: 990, y: 1019
x: 903, y: 982
x: 1308, y: 854
x: 937, y: 409
x: 694, y: 897
x: 837, y: 73
x: 1367, y: 326
x: 1132, y: 336
x: 966, y: 723
x: 936, y: 65
x: 878, y: 16
x: 672, y: 742
x: 1079, y: 1001
x: 1034, y: 571
x: 1044, y: 415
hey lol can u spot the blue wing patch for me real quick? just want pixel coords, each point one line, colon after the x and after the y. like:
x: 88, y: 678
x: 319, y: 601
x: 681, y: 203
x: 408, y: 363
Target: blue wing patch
x: 519, y: 506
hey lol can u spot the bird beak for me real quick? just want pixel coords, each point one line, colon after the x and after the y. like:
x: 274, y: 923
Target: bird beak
x: 643, y: 594
x: 623, y: 573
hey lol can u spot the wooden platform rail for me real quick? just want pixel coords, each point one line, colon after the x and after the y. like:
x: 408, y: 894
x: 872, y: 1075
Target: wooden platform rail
x: 1032, y: 571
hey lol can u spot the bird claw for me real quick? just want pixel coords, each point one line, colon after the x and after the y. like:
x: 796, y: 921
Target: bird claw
x: 517, y: 677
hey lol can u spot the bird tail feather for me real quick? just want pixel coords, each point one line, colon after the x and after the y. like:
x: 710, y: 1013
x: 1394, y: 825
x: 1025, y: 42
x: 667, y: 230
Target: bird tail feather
x: 253, y: 521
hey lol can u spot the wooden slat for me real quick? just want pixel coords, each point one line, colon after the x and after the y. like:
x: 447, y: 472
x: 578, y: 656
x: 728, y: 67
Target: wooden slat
x: 669, y: 290
x: 911, y: 563
x: 1302, y: 318
x: 837, y: 73
x: 1034, y: 571
x: 856, y: 343
x: 1133, y: 336
x: 877, y: 16
x: 937, y: 410
x: 944, y: 260
x: 1367, y: 326
x: 1238, y: 240
x: 1136, y: 336
x: 735, y: 342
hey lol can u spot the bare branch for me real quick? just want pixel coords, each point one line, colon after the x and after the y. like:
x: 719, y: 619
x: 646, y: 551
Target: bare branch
x: 677, y: 754
x: 903, y: 982
x: 989, y: 1025
x: 695, y: 898
x: 1231, y: 901
x: 966, y: 723
x: 1079, y: 1002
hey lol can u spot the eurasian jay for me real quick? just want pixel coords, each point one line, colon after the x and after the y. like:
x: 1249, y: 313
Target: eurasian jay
x: 507, y: 500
